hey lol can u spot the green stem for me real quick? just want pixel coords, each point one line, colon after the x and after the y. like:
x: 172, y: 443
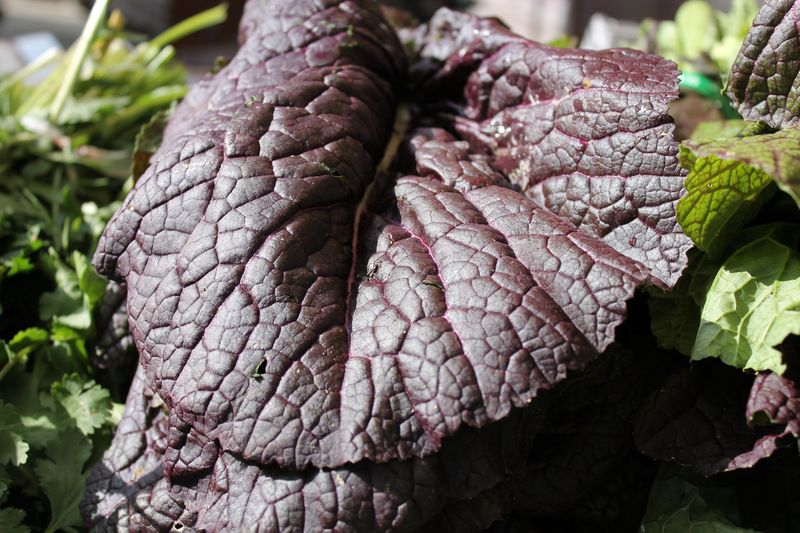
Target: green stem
x: 37, y: 64
x: 7, y: 367
x: 201, y: 21
x: 56, y: 210
x: 96, y: 17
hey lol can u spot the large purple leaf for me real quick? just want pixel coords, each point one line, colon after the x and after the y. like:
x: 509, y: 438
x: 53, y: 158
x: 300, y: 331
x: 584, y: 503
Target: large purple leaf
x: 270, y: 320
x: 775, y: 401
x: 585, y: 134
x: 215, y: 490
x: 317, y: 326
x: 763, y: 84
x: 578, y: 464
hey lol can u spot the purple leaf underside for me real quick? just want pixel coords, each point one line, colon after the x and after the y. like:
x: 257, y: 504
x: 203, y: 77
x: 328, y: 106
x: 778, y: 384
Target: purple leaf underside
x: 714, y: 418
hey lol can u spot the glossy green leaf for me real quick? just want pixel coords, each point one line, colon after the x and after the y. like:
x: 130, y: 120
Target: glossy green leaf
x: 727, y: 179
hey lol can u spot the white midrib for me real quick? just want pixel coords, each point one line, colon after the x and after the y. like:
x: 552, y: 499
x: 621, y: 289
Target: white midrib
x: 399, y: 129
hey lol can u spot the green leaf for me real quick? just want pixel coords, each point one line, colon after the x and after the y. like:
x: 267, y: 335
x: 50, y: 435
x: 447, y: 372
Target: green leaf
x: 11, y: 521
x: 677, y: 506
x: 565, y: 41
x: 42, y: 428
x: 28, y: 340
x: 91, y: 284
x: 696, y: 28
x: 147, y: 142
x: 87, y: 403
x: 719, y: 129
x: 753, y: 304
x: 5, y: 482
x: 19, y: 264
x: 727, y: 178
x: 675, y: 315
x: 13, y: 448
x: 62, y: 479
x: 777, y: 154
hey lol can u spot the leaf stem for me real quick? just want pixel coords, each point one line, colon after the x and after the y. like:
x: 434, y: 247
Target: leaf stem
x: 34, y: 66
x: 195, y: 23
x: 7, y: 367
x: 96, y: 16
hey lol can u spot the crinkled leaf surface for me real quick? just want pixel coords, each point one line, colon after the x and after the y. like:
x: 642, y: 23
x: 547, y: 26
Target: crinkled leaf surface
x: 764, y: 80
x: 719, y: 129
x: 207, y: 489
x: 121, y: 485
x: 295, y: 312
x: 288, y: 344
x: 726, y: 178
x: 752, y: 305
x: 775, y: 401
x: 722, y: 195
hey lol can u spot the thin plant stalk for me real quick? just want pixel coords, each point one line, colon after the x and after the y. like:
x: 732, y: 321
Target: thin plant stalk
x: 96, y: 16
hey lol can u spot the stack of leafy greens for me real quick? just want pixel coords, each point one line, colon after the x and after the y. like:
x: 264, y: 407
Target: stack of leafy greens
x: 739, y: 300
x: 452, y: 338
x: 371, y: 344
x: 66, y: 153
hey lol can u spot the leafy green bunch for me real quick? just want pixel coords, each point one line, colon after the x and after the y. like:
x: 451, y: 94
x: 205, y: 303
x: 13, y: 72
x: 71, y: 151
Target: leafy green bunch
x: 67, y: 146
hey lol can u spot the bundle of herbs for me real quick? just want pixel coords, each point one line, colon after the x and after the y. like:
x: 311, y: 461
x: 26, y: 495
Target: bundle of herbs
x: 72, y: 127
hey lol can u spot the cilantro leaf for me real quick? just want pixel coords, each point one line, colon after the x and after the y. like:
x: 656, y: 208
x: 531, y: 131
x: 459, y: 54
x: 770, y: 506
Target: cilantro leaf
x: 90, y: 283
x: 13, y: 448
x: 11, y: 521
x: 27, y: 340
x: 87, y: 403
x: 62, y: 479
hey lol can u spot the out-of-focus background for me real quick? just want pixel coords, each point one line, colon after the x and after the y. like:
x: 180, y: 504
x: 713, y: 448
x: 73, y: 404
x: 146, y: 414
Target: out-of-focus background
x: 27, y: 27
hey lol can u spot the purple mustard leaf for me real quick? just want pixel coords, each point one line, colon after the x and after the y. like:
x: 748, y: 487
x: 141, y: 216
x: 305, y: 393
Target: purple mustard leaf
x: 700, y: 418
x: 212, y: 490
x: 317, y: 326
x: 119, y: 490
x: 585, y: 134
x: 763, y: 82
x: 774, y: 406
